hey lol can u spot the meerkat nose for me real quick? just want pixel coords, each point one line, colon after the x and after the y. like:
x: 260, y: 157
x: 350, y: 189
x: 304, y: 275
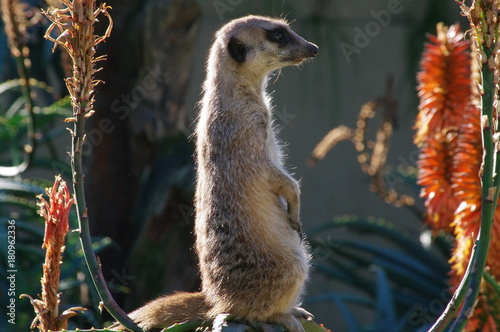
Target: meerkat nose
x: 313, y: 49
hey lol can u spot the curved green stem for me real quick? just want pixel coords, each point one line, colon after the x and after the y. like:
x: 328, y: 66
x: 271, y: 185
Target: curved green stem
x: 465, y: 296
x: 83, y: 221
x: 490, y: 185
x: 22, y: 69
x: 492, y: 281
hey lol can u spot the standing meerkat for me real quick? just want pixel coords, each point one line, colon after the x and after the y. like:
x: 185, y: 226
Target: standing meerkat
x: 252, y: 260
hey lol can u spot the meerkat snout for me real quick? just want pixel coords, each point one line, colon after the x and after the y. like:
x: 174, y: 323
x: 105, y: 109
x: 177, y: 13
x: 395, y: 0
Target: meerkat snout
x: 291, y: 47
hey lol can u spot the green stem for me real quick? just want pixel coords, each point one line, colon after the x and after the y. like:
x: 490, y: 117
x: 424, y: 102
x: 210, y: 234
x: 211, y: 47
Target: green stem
x: 489, y: 201
x: 90, y: 258
x: 451, y: 309
x: 492, y: 281
x: 468, y: 290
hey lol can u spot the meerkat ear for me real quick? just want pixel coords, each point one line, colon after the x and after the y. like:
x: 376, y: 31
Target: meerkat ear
x: 237, y: 50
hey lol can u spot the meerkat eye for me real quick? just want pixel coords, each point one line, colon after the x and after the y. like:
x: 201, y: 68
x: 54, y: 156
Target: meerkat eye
x: 279, y: 35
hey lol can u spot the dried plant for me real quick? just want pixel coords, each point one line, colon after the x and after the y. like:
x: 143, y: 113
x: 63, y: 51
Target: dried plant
x: 16, y: 23
x: 74, y: 23
x: 55, y: 211
x: 372, y: 154
x: 54, y: 3
x: 335, y: 136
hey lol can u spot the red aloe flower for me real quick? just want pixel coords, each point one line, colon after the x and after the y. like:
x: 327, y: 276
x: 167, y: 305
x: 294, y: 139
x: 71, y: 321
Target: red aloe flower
x: 56, y: 215
x: 435, y: 167
x: 443, y: 83
x: 444, y: 91
x: 467, y: 185
x: 467, y: 188
x: 449, y: 133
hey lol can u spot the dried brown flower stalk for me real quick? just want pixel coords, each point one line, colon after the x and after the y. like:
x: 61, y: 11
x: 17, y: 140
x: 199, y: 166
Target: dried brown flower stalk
x: 17, y: 18
x: 372, y: 155
x: 55, y: 211
x: 335, y: 136
x: 76, y: 35
x: 16, y: 22
x: 75, y: 24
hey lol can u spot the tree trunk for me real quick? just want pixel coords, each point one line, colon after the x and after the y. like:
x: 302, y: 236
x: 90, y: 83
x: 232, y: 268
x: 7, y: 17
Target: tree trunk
x: 139, y: 167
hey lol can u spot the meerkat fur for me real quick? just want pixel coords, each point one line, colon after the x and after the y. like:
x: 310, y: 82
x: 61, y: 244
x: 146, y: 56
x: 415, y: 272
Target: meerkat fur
x: 252, y: 259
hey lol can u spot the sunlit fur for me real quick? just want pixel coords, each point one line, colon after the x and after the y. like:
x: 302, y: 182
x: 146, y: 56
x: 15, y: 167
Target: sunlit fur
x: 252, y: 258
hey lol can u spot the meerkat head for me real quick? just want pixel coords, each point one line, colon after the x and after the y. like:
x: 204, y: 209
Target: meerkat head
x: 260, y: 44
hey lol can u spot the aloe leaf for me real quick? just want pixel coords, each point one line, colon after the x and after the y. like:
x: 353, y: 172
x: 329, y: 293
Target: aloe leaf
x: 386, y: 315
x: 345, y: 297
x: 400, y: 260
x: 10, y: 85
x: 15, y: 109
x: 25, y: 188
x: 339, y: 300
x: 386, y: 230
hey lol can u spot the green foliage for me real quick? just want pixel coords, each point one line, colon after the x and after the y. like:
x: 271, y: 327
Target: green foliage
x: 15, y: 119
x: 18, y: 196
x: 407, y: 287
x: 18, y: 202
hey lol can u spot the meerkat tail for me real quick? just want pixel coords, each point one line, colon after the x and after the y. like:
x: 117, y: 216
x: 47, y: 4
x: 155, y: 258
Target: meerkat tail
x: 168, y: 310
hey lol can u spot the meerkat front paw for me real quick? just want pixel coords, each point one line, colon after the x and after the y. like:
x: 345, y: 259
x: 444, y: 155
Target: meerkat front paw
x: 295, y: 224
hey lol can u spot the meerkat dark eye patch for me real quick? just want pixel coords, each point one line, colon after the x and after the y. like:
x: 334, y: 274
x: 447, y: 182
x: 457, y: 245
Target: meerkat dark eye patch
x: 278, y: 35
x: 237, y: 50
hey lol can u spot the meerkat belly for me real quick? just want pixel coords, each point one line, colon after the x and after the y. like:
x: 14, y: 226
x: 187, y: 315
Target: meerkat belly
x: 254, y: 264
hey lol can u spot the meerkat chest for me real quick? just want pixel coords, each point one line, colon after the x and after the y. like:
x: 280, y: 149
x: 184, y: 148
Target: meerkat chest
x: 273, y: 148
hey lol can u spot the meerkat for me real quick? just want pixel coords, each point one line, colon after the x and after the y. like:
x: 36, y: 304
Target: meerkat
x: 252, y: 258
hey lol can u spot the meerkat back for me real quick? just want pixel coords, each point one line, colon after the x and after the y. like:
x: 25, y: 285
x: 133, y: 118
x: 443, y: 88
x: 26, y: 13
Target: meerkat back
x: 252, y: 259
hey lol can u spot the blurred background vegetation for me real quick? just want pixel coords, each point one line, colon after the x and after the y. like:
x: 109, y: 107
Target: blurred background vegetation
x: 375, y: 268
